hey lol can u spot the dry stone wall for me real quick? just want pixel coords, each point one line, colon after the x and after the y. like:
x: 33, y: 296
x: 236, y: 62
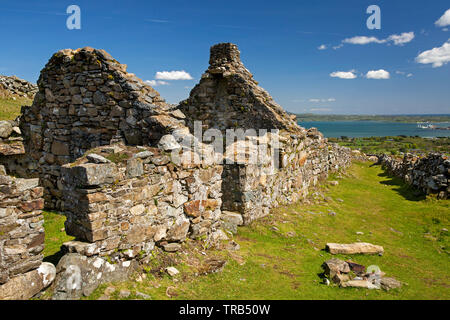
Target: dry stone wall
x: 14, y: 86
x: 228, y: 97
x: 252, y: 189
x: 12, y: 151
x: 122, y: 209
x: 110, y: 153
x: 429, y: 174
x: 22, y: 273
x: 87, y: 99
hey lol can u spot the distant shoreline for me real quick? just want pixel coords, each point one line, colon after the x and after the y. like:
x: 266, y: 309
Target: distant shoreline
x: 309, y: 117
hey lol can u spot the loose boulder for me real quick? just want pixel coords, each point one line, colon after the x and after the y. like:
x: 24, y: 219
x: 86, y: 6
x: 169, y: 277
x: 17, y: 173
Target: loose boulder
x: 354, y: 248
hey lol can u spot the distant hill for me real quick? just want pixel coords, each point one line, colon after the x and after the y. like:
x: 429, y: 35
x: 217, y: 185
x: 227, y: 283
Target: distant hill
x: 390, y: 118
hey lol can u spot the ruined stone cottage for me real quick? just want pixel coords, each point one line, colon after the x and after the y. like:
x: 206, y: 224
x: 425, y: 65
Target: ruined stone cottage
x: 118, y: 161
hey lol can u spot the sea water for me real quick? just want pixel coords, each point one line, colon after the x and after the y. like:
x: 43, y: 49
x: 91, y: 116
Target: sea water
x: 356, y: 129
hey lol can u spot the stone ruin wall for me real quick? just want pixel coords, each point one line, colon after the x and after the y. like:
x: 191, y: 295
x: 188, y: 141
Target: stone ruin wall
x: 12, y: 151
x: 22, y: 272
x: 304, y: 161
x: 100, y: 139
x: 123, y: 209
x: 228, y: 97
x: 430, y: 174
x: 87, y: 99
x: 14, y: 86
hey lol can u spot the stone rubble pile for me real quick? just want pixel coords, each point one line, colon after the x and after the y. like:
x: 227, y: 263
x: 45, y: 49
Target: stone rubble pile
x: 430, y: 174
x: 13, y: 86
x: 348, y: 274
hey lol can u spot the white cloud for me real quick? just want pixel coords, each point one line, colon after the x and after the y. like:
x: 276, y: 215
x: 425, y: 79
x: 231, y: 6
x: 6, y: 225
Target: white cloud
x: 408, y: 75
x: 401, y: 39
x: 444, y: 20
x: 378, y: 74
x: 397, y: 39
x: 362, y: 40
x: 437, y: 56
x: 173, y: 75
x: 155, y: 83
x: 343, y: 74
x: 322, y: 47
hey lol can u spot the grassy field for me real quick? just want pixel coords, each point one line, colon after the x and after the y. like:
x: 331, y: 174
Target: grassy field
x: 281, y: 255
x: 55, y: 236
x: 395, y: 145
x: 10, y: 109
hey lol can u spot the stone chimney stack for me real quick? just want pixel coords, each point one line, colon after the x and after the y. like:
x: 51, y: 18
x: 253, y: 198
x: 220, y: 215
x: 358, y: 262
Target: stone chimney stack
x: 223, y: 54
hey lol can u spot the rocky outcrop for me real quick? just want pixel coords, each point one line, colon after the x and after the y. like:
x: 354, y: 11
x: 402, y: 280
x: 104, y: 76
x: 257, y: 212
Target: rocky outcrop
x: 78, y: 275
x: 13, y: 86
x: 430, y: 174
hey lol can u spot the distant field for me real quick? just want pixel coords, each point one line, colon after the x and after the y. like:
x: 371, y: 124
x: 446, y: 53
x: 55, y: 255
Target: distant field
x: 10, y: 109
x: 389, y: 118
x: 395, y: 145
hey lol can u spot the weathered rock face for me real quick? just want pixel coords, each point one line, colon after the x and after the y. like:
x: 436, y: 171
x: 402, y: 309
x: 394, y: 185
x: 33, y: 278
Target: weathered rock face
x: 87, y: 99
x: 431, y: 174
x: 228, y: 97
x: 13, y: 86
x: 28, y: 284
x: 78, y: 275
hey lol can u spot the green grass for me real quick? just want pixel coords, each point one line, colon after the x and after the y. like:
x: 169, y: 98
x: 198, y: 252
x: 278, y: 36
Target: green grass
x: 395, y: 145
x: 271, y: 265
x: 10, y: 109
x: 55, y: 236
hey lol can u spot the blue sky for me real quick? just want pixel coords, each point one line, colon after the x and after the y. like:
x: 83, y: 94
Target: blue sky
x: 279, y: 43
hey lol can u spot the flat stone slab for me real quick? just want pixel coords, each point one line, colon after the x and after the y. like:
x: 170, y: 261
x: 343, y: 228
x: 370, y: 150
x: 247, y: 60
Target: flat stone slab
x: 354, y: 248
x: 359, y: 284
